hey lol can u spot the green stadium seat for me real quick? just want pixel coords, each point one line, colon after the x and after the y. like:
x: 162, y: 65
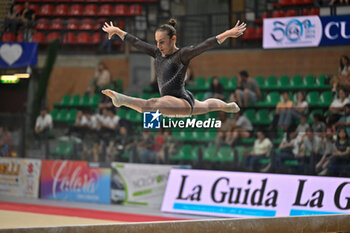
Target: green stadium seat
x: 226, y: 154
x: 210, y: 154
x: 199, y: 96
x: 200, y: 84
x: 264, y: 161
x: 119, y: 85
x: 213, y: 114
x: 125, y: 156
x: 84, y: 101
x: 224, y: 81
x: 94, y: 101
x: 232, y: 84
x: 145, y: 96
x: 133, y: 116
x: 209, y: 136
x: 260, y: 80
x: 326, y: 99
x: 121, y: 112
x: 70, y: 117
x: 186, y: 135
x: 182, y: 153
x: 263, y: 117
x: 296, y: 82
x: 61, y: 115
x: 208, y: 82
x: 250, y: 114
x: 270, y: 82
x: 283, y: 82
x: 240, y: 152
x: 193, y: 155
x: 74, y: 101
x: 177, y: 134
x: 64, y: 149
x: 320, y: 82
x: 309, y: 82
x: 272, y: 100
x: 293, y: 162
x: 247, y: 140
x: 54, y: 113
x: 155, y: 95
x: 64, y: 101
x: 312, y: 98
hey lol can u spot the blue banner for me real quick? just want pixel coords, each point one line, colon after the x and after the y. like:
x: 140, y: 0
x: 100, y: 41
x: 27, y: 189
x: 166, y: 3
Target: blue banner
x: 336, y: 30
x: 18, y: 55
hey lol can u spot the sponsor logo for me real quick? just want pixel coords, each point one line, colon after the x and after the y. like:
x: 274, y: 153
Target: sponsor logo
x: 151, y: 120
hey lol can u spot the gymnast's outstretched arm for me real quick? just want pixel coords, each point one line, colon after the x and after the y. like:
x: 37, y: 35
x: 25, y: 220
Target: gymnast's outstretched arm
x: 187, y: 53
x: 134, y: 41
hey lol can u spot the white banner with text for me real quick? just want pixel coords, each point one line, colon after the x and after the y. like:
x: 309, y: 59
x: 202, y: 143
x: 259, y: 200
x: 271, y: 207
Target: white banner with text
x: 241, y: 194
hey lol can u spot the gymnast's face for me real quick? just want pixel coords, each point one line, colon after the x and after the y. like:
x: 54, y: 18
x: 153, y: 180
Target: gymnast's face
x: 165, y: 44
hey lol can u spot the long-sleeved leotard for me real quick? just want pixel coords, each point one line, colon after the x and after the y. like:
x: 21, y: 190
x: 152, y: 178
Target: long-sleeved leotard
x: 171, y: 69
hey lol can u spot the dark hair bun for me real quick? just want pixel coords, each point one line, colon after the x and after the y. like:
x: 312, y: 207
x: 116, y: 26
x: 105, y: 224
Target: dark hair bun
x: 172, y: 22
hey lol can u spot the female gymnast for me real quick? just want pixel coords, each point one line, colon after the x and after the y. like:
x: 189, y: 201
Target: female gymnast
x: 171, y: 64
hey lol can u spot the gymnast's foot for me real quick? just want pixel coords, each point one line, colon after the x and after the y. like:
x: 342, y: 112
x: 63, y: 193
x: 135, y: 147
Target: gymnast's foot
x: 232, y: 107
x: 117, y: 98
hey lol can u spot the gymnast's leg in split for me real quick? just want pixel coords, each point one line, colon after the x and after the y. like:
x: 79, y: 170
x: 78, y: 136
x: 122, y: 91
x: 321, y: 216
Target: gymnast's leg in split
x: 170, y: 105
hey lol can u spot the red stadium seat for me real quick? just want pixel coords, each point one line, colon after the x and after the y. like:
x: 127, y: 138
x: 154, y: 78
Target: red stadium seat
x: 314, y: 11
x: 249, y: 34
x: 20, y: 37
x: 306, y: 11
x: 69, y: 38
x: 96, y: 38
x: 61, y: 10
x: 83, y: 38
x: 298, y: 2
x: 135, y: 9
x: 46, y: 10
x: 105, y: 10
x: 75, y: 9
x: 8, y: 37
x: 87, y: 24
x: 120, y: 10
x: 259, y: 33
x: 309, y: 2
x: 56, y: 24
x: 52, y: 36
x: 20, y: 7
x: 90, y: 10
x: 291, y: 13
x: 277, y: 14
x: 100, y: 23
x: 73, y: 24
x: 33, y: 7
x: 38, y: 37
x: 286, y: 2
x: 121, y: 24
x: 42, y: 24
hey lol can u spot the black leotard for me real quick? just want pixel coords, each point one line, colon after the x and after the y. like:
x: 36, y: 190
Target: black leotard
x: 171, y: 69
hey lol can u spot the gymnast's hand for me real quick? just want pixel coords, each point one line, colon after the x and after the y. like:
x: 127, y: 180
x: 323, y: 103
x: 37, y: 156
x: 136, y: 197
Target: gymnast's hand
x: 234, y: 32
x: 237, y: 30
x: 113, y: 30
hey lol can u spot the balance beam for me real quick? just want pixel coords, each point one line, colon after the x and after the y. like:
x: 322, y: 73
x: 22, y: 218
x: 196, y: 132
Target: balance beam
x: 299, y: 224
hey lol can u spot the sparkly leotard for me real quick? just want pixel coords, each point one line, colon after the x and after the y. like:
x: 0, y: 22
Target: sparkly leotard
x: 171, y: 69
